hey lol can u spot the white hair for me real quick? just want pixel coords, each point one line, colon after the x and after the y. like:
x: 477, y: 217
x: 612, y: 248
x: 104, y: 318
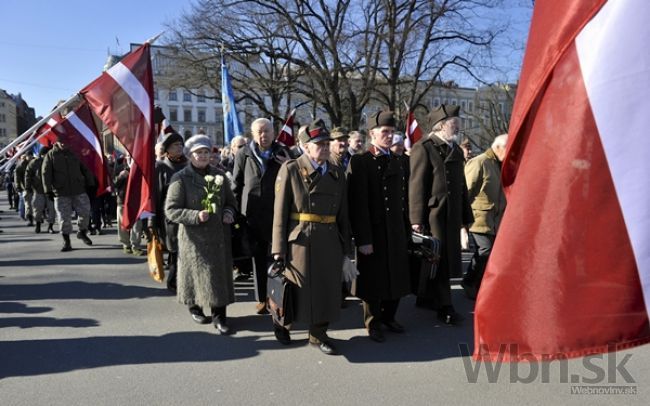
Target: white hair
x: 237, y: 138
x: 260, y: 122
x: 500, y: 141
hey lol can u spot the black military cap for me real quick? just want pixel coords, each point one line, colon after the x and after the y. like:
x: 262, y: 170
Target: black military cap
x: 380, y: 119
x: 315, y: 131
x: 442, y: 112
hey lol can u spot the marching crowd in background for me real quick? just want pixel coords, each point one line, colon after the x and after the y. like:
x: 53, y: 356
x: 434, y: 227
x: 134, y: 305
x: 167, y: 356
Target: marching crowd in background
x: 304, y: 212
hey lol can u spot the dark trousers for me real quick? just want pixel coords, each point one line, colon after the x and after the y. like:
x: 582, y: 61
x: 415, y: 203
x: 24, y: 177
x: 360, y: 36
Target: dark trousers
x: 262, y: 259
x: 474, y: 274
x: 376, y: 311
x: 96, y: 211
x: 318, y: 332
x: 172, y: 260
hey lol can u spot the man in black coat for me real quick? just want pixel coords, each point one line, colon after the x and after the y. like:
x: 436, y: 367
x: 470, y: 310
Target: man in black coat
x: 438, y: 203
x: 256, y: 167
x: 378, y: 215
x: 173, y: 161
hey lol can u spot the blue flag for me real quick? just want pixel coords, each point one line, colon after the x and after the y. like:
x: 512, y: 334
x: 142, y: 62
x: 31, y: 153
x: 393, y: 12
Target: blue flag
x: 231, y: 125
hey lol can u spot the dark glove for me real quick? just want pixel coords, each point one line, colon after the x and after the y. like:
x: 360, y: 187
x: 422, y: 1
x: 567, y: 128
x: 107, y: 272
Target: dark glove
x: 50, y: 195
x: 276, y: 268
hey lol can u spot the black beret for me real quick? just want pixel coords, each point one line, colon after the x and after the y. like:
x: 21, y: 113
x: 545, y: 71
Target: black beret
x: 442, y: 112
x: 380, y: 119
x: 170, y: 139
x: 315, y: 131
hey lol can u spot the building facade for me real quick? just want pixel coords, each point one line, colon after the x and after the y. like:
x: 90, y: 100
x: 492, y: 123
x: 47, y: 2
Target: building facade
x: 8, y: 122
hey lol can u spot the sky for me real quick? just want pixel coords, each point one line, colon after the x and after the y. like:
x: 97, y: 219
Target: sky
x: 49, y: 50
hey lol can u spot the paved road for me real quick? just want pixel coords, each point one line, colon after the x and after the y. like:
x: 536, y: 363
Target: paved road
x: 89, y: 327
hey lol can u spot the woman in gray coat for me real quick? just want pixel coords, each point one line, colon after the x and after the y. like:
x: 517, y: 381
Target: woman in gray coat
x: 204, y: 246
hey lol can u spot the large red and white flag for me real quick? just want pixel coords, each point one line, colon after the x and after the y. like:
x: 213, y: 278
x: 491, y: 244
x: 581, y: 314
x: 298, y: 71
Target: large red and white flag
x: 286, y: 134
x: 569, y: 274
x: 45, y: 136
x: 123, y: 98
x: 77, y: 130
x: 413, y: 131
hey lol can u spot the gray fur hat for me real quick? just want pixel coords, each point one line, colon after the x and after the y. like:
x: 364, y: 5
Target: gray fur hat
x: 197, y: 142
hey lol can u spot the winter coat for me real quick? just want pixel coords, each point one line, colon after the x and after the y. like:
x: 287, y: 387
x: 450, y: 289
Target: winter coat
x: 313, y: 251
x: 438, y: 197
x: 167, y: 230
x: 253, y: 188
x: 19, y: 175
x: 204, y: 249
x: 379, y: 216
x: 483, y: 177
x: 33, y: 179
x: 64, y: 174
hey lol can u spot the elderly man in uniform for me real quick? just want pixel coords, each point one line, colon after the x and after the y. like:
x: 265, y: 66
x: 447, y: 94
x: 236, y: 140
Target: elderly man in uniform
x: 40, y: 203
x: 379, y: 219
x: 311, y: 235
x: 256, y: 166
x: 483, y: 177
x: 438, y: 203
x: 65, y: 179
x: 339, y: 154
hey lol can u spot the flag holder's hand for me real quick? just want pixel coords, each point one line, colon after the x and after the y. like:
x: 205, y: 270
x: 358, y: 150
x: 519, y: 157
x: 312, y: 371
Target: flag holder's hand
x: 281, y: 156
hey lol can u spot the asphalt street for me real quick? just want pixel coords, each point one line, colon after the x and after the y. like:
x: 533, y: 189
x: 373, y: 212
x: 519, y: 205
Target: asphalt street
x: 90, y: 327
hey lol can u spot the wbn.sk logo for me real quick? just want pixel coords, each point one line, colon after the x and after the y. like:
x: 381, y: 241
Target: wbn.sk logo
x: 598, y: 369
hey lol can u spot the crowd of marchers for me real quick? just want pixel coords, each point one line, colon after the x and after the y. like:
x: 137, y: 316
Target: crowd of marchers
x: 303, y: 212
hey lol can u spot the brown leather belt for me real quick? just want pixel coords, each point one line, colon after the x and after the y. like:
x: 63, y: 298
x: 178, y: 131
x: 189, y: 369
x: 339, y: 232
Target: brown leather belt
x: 313, y: 218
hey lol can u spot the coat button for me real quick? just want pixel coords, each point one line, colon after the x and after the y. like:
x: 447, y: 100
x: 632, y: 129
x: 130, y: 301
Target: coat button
x: 313, y: 204
x: 387, y: 208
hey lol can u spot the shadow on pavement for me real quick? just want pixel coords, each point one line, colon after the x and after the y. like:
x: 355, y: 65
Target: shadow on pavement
x: 13, y: 307
x: 30, y: 322
x: 75, y: 261
x: 24, y: 240
x: 38, y: 357
x: 77, y: 290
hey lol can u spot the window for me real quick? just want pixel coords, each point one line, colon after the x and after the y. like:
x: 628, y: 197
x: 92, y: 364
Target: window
x: 470, y: 106
x: 173, y: 115
x: 200, y: 98
x: 454, y: 102
x: 187, y: 96
x: 436, y: 102
x: 2, y: 118
x: 471, y: 123
x: 3, y: 132
x: 187, y: 115
x: 201, y: 116
x: 172, y: 95
x: 463, y: 105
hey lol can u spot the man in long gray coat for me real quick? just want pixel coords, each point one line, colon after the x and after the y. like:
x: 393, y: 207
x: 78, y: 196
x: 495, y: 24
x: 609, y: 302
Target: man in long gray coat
x: 311, y: 235
x: 438, y: 203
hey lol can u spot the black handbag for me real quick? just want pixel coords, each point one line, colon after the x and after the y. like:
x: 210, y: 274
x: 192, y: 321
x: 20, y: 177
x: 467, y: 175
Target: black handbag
x: 279, y: 297
x: 424, y: 258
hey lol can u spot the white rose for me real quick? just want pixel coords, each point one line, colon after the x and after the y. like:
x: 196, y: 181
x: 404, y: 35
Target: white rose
x: 218, y: 180
x: 209, y: 178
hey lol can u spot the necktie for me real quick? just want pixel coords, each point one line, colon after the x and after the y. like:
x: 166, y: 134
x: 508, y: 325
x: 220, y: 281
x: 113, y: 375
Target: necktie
x: 320, y: 170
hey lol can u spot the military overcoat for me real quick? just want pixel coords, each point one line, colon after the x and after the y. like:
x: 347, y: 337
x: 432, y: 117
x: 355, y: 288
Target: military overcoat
x: 204, y: 249
x: 438, y: 197
x: 313, y: 251
x: 379, y: 216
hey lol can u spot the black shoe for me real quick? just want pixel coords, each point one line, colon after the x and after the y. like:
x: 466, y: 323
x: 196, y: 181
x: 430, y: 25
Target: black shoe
x: 93, y: 232
x: 66, y: 243
x: 198, y: 316
x: 394, y: 326
x: 37, y: 229
x: 326, y: 347
x: 223, y: 329
x: 376, y: 335
x: 83, y: 237
x: 50, y: 229
x: 282, y: 334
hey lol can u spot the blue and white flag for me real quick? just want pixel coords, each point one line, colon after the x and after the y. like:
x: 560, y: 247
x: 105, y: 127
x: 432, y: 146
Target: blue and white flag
x: 231, y: 125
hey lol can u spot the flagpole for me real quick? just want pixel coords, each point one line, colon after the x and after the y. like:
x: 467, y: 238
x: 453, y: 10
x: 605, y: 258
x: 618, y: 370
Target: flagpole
x: 39, y: 123
x: 153, y: 39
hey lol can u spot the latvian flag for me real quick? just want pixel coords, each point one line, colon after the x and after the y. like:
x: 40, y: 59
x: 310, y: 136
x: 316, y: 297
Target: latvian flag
x: 569, y: 274
x: 413, y: 131
x: 286, y: 134
x: 123, y: 98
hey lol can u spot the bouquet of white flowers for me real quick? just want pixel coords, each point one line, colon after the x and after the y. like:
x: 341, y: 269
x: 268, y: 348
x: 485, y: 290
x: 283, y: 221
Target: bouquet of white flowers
x: 212, y: 199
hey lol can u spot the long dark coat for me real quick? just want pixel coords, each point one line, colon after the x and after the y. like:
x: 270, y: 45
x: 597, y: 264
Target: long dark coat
x: 438, y: 199
x: 167, y: 230
x: 313, y: 252
x: 378, y: 215
x: 254, y: 189
x: 204, y: 249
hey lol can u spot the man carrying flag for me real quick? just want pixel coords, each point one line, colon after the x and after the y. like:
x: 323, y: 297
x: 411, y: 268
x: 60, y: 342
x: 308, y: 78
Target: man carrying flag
x: 577, y: 203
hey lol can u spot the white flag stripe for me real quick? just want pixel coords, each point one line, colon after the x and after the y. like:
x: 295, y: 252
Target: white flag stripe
x: 287, y: 129
x: 86, y: 132
x: 615, y: 65
x: 52, y: 122
x: 132, y: 86
x: 413, y: 126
